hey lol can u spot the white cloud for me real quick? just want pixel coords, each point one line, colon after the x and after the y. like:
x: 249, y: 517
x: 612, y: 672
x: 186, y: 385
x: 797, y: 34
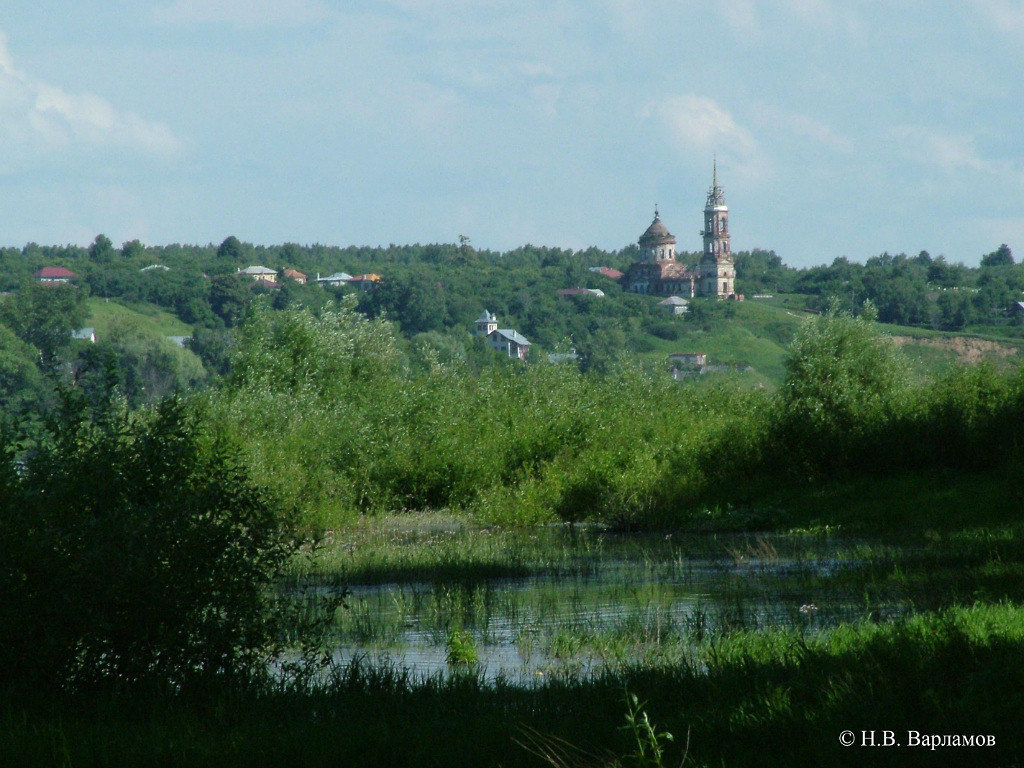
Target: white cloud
x: 803, y: 127
x: 825, y: 14
x: 741, y: 16
x: 698, y: 126
x: 535, y: 69
x: 1004, y: 16
x: 247, y: 14
x: 42, y: 118
x: 699, y: 121
x: 949, y: 152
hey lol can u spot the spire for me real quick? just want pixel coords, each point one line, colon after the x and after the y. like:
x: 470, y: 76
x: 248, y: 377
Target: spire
x: 655, y: 210
x: 716, y: 194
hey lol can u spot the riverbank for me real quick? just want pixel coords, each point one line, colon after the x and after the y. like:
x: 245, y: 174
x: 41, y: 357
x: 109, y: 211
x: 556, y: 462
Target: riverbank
x: 749, y: 699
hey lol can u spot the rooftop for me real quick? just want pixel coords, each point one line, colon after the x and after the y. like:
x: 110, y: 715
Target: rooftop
x: 512, y: 335
x: 657, y: 233
x: 54, y: 272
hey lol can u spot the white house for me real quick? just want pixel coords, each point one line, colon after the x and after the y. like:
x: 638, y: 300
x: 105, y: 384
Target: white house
x: 509, y: 341
x: 260, y: 274
x: 675, y: 304
x: 338, y: 278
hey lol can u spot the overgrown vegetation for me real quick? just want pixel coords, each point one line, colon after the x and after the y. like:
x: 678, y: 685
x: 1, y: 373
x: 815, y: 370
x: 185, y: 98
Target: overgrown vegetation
x: 137, y: 552
x: 149, y: 542
x: 335, y: 419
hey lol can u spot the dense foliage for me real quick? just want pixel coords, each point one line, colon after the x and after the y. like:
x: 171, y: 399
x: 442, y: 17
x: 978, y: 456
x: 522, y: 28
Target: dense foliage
x: 136, y: 550
x: 432, y: 293
x: 340, y: 421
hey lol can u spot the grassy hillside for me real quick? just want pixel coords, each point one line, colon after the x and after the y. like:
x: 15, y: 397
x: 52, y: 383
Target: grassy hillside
x: 744, y: 334
x: 758, y: 332
x: 105, y: 314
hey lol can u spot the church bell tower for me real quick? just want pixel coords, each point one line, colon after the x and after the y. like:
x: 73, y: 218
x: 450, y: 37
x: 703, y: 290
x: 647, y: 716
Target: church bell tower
x: 717, y: 270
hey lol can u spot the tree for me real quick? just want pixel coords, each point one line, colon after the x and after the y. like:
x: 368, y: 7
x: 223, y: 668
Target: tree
x: 138, y: 551
x: 229, y: 297
x: 20, y: 380
x: 137, y: 365
x: 842, y: 381
x: 133, y: 250
x: 102, y: 250
x: 413, y: 299
x: 231, y: 250
x: 1000, y: 257
x: 955, y: 310
x: 44, y: 316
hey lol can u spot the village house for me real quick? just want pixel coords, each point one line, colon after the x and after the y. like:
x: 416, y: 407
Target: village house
x: 675, y: 305
x: 364, y: 282
x: 572, y: 356
x: 609, y: 272
x: 154, y: 267
x: 509, y: 341
x: 688, y: 358
x: 294, y: 274
x: 84, y: 334
x: 54, y: 275
x: 260, y: 274
x: 577, y: 291
x: 335, y: 280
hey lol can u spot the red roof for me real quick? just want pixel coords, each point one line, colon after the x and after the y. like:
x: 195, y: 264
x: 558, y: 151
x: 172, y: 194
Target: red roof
x: 614, y: 274
x: 54, y: 273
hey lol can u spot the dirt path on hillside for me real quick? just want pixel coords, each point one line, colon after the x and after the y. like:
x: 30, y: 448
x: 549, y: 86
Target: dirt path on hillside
x: 967, y: 349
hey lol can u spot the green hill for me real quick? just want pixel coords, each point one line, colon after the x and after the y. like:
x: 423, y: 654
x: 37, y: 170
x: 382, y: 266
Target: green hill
x: 757, y: 333
x: 106, y: 314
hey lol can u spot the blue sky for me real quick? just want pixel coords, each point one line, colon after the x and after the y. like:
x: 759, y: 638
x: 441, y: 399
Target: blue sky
x: 841, y: 128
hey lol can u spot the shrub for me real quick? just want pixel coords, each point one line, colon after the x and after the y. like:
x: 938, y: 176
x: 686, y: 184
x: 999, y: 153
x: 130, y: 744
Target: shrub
x: 843, y: 383
x: 136, y: 550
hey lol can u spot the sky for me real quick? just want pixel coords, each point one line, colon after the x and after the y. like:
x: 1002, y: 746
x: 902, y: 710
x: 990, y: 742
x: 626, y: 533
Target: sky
x: 840, y: 128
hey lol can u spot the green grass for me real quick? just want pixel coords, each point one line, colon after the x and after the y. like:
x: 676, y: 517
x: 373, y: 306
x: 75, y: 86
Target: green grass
x: 756, y: 334
x: 751, y: 699
x: 759, y: 331
x: 914, y: 501
x: 107, y: 313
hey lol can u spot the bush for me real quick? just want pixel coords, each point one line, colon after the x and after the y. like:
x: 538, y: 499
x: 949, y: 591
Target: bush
x: 843, y: 383
x: 136, y: 550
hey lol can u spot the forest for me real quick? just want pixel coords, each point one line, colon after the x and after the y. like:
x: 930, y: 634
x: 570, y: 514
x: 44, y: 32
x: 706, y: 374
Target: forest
x: 433, y: 293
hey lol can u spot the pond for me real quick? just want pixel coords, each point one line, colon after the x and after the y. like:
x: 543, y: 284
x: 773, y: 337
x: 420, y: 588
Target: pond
x: 528, y: 605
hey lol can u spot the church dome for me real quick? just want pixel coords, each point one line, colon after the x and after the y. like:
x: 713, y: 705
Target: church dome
x: 657, y: 233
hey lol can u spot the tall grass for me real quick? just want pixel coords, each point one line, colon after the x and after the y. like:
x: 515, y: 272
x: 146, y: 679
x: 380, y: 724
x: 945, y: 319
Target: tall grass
x: 765, y: 699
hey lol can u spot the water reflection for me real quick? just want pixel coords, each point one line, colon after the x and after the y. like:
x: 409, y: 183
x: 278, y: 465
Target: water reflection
x: 609, y: 600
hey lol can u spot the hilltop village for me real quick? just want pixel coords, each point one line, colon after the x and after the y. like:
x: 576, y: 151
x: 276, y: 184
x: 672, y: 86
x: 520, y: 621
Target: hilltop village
x: 653, y: 300
x: 655, y: 272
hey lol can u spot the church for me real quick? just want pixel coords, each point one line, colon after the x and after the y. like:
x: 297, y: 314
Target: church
x: 657, y: 272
